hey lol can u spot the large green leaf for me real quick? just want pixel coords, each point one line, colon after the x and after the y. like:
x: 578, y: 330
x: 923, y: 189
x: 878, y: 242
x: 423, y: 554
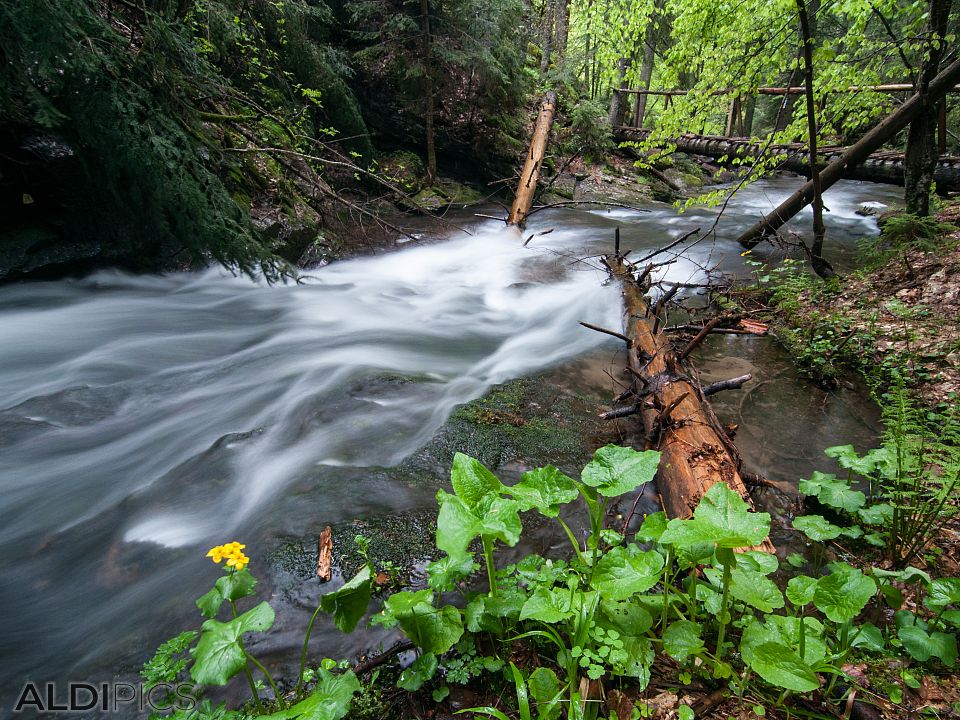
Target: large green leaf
x: 444, y: 574
x: 878, y: 514
x: 626, y: 616
x: 833, y: 492
x: 640, y: 657
x: 546, y: 489
x: 499, y: 518
x: 329, y: 701
x: 623, y: 572
x: 653, y: 527
x: 232, y: 586
x: 923, y: 645
x: 348, y: 603
x: 682, y: 639
x: 869, y: 637
x: 616, y: 470
x: 755, y: 590
x: 779, y: 665
x: 816, y: 527
x: 218, y: 656
x: 544, y: 685
x: 801, y: 589
x: 432, y: 629
x: 943, y: 592
x: 471, y: 480
x: 549, y: 605
x: 722, y: 518
x: 420, y: 671
x: 843, y: 594
x: 457, y: 525
x: 848, y: 459
x: 786, y: 631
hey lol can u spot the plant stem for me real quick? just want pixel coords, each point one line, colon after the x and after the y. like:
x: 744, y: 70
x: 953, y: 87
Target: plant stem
x: 666, y: 589
x: 491, y: 571
x: 273, y: 685
x: 246, y: 665
x: 727, y: 568
x: 303, y: 653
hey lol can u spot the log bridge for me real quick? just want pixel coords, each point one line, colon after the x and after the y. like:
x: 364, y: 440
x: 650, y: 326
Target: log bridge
x: 882, y: 167
x: 696, y: 452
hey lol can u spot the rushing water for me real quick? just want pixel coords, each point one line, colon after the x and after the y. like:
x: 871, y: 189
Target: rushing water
x: 143, y: 419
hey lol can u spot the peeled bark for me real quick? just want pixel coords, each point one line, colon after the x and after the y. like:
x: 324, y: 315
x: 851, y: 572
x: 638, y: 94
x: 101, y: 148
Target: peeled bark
x: 676, y: 419
x: 855, y: 154
x: 531, y: 167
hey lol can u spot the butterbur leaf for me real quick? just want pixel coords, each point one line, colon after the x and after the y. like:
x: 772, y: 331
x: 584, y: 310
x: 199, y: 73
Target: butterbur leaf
x: 652, y: 528
x: 758, y: 562
x: 218, y: 655
x: 349, y: 603
x: 329, y: 701
x: 779, y: 665
x: 546, y: 489
x: 500, y: 518
x: 623, y: 572
x: 682, y: 639
x: 923, y: 645
x: 432, y: 629
x: 843, y: 594
x: 420, y: 671
x: 816, y: 527
x: 833, y: 492
x: 943, y: 592
x: 444, y: 574
x: 233, y: 586
x: 549, y: 605
x: 722, y: 518
x: 879, y: 514
x: 544, y: 685
x: 869, y: 637
x: 785, y: 631
x: 456, y: 524
x: 627, y: 617
x: 640, y: 657
x: 847, y: 457
x: 617, y: 470
x: 755, y: 590
x: 801, y: 589
x: 210, y: 602
x: 471, y: 480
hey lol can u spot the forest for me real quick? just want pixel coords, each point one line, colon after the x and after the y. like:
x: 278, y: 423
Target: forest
x: 512, y: 359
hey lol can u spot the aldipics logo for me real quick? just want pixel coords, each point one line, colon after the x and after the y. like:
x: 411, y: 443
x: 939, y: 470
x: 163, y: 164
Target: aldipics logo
x: 103, y: 697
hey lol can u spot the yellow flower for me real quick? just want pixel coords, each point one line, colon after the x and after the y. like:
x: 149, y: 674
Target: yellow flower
x: 216, y: 553
x: 745, y: 253
x: 232, y: 552
x: 238, y: 561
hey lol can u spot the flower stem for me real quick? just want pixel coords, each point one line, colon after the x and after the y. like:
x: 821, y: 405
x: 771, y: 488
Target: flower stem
x: 273, y: 685
x: 491, y: 571
x: 246, y: 666
x: 727, y: 567
x: 303, y: 653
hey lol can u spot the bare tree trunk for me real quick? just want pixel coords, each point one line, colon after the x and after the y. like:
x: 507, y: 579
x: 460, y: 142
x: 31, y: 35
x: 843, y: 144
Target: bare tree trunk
x: 855, y: 154
x: 563, y: 28
x: 921, y: 156
x: 749, y: 107
x: 428, y: 81
x: 646, y: 66
x: 546, y: 35
x: 820, y: 266
x: 530, y: 174
x: 617, y: 105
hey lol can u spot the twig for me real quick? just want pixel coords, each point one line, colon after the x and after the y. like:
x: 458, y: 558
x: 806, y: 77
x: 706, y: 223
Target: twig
x: 607, y: 331
x: 672, y: 245
x: 622, y: 412
x: 731, y: 384
x: 701, y: 336
x: 377, y: 660
x: 584, y: 202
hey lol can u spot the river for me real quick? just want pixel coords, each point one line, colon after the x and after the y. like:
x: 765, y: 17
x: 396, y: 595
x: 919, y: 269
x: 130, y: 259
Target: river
x: 145, y: 418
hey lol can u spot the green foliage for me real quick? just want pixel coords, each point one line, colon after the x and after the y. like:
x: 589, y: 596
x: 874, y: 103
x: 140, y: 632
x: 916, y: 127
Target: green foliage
x: 901, y: 235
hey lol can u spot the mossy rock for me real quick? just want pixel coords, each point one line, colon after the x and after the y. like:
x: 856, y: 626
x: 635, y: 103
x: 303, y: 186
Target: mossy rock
x: 405, y: 169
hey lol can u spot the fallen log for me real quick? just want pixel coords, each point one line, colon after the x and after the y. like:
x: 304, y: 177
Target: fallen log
x: 531, y: 167
x: 675, y: 419
x: 854, y: 155
x: 730, y: 384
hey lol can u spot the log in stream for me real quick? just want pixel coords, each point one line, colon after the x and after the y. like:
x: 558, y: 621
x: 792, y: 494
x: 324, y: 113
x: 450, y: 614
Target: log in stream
x: 677, y: 420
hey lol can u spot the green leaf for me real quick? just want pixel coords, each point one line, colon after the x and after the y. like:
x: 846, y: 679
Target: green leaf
x: 758, y: 561
x: 722, y: 518
x: 785, y: 631
x: 544, y: 685
x: 218, y: 656
x: 546, y: 489
x: 349, y: 603
x: 682, y: 639
x: 869, y: 637
x: 833, y: 492
x: 232, y: 586
x: 879, y: 514
x: 685, y: 712
x: 623, y: 572
x: 943, y: 592
x: 816, y: 527
x: 848, y: 458
x: 923, y: 645
x: 616, y: 470
x: 420, y: 671
x: 434, y: 630
x: 549, y: 605
x: 843, y: 594
x: 755, y: 590
x: 444, y: 574
x: 329, y: 701
x: 796, y: 560
x: 652, y: 528
x: 500, y: 518
x: 627, y: 617
x: 471, y: 480
x: 640, y: 655
x: 457, y: 525
x: 779, y: 665
x: 801, y: 589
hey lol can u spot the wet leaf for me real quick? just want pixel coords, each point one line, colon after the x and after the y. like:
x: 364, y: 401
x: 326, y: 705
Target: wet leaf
x: 779, y: 665
x: 349, y: 603
x: 218, y: 656
x: 801, y: 589
x: 817, y: 528
x: 923, y: 645
x: 617, y: 470
x: 722, y: 518
x: 329, y: 701
x: 623, y: 572
x: 545, y: 489
x: 549, y: 605
x: 682, y: 639
x: 843, y: 594
x: 420, y: 671
x: 471, y: 480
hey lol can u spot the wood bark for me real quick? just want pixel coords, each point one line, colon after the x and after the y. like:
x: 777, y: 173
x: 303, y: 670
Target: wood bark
x: 428, y: 82
x: 562, y: 28
x: 617, y: 105
x: 820, y: 266
x: 855, y: 154
x: 531, y: 167
x: 546, y: 35
x: 694, y: 454
x: 884, y: 167
x: 646, y: 66
x: 920, y: 159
